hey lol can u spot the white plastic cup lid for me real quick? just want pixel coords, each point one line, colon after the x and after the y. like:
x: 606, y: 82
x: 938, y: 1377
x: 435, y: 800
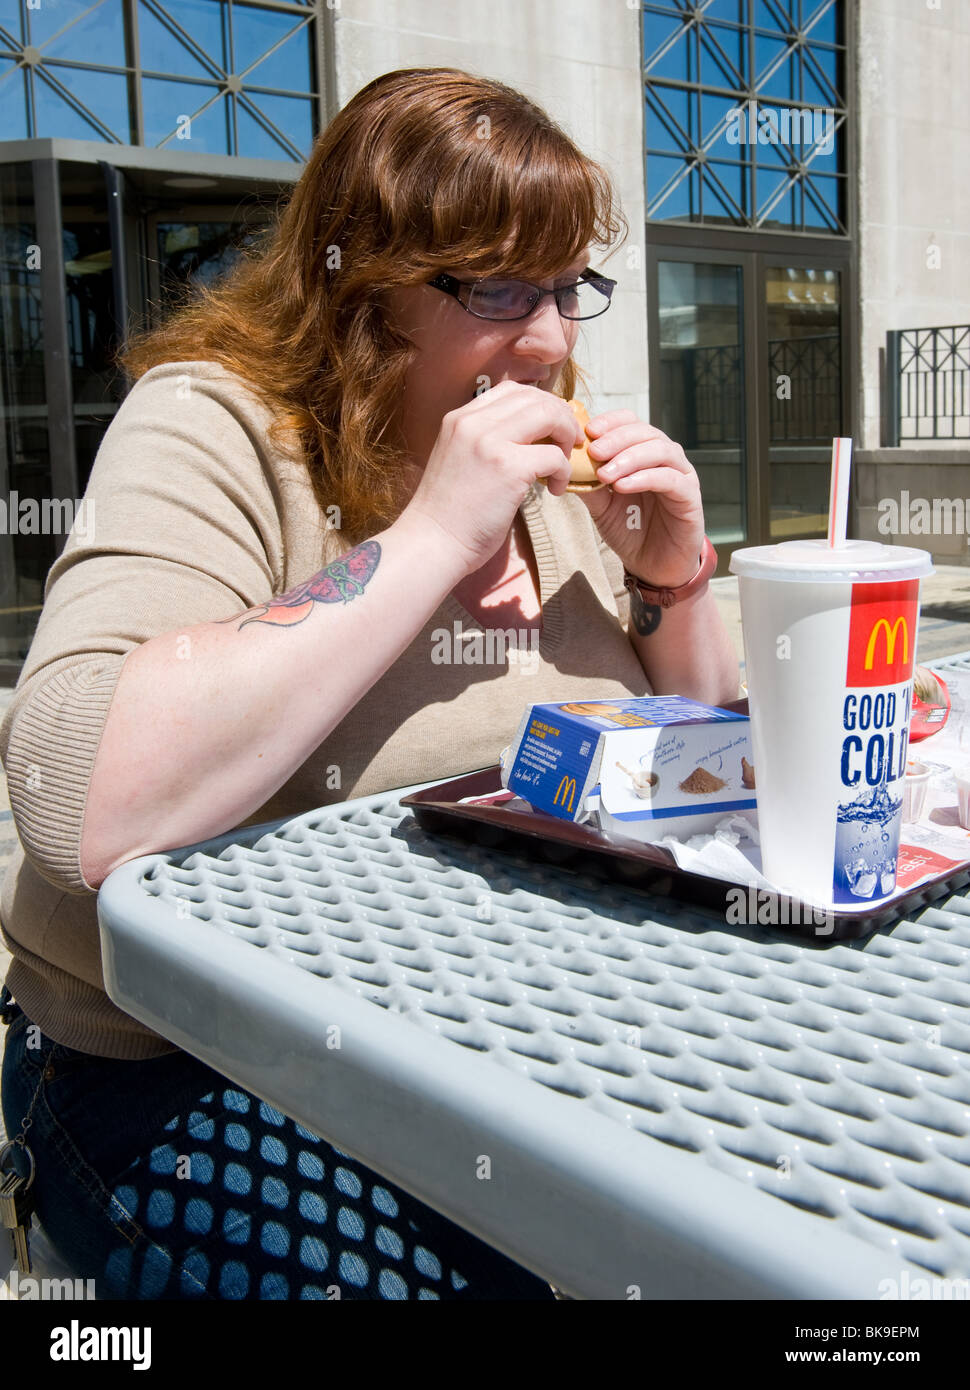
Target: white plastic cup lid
x: 815, y: 561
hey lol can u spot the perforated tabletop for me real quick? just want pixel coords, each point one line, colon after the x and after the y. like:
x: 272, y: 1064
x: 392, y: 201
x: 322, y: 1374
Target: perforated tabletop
x: 620, y: 1093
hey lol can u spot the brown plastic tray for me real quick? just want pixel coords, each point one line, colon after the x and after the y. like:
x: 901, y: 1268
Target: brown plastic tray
x: 650, y: 868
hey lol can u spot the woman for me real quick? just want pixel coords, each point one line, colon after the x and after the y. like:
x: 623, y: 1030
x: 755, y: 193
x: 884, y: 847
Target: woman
x: 323, y: 465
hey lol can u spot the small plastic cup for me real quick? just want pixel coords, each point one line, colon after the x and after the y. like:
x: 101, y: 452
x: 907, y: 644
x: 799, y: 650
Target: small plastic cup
x: 961, y: 775
x: 914, y: 790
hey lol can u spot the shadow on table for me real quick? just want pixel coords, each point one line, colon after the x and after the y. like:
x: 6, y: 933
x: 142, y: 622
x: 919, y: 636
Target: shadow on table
x: 508, y: 871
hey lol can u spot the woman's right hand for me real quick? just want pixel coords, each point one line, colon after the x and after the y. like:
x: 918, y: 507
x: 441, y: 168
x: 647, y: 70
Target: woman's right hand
x: 484, y: 461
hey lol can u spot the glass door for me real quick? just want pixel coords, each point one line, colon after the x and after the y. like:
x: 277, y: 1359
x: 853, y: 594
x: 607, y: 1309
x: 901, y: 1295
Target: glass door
x: 25, y: 446
x: 108, y: 264
x: 748, y: 373
x: 700, y: 389
x: 193, y: 245
x: 802, y: 306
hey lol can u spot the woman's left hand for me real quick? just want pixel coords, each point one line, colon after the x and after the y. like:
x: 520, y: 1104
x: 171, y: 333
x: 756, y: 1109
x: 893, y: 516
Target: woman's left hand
x: 653, y: 518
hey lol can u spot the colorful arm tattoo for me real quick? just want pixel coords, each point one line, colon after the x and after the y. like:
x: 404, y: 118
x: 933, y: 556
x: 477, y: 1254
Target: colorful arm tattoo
x: 338, y: 582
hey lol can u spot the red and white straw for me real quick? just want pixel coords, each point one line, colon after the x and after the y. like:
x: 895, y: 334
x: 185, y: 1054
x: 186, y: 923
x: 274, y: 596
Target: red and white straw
x: 839, y: 491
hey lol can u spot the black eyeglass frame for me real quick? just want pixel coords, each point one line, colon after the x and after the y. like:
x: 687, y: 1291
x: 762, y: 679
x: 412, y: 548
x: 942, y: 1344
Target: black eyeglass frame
x: 450, y: 285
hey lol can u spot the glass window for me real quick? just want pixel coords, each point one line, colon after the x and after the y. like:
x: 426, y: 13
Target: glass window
x: 670, y: 125
x: 292, y: 116
x: 657, y: 36
x: 732, y: 45
x: 716, y: 69
x: 82, y: 86
x: 794, y: 116
x: 104, y: 96
x: 678, y: 193
x: 206, y: 22
x: 671, y: 61
x: 163, y: 51
x: 715, y: 116
x: 255, y: 32
x: 821, y: 21
x: 822, y: 196
x: 727, y: 182
x: 170, y: 107
x: 733, y: 11
x: 772, y: 15
x: 817, y: 90
x: 13, y: 101
x: 79, y: 28
x: 774, y: 198
x: 56, y: 115
x: 772, y: 68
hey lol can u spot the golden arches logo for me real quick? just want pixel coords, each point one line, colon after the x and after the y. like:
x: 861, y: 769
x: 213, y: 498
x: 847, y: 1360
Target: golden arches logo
x: 891, y: 635
x: 567, y: 787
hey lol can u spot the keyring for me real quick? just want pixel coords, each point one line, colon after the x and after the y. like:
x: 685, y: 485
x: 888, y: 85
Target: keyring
x: 12, y: 1144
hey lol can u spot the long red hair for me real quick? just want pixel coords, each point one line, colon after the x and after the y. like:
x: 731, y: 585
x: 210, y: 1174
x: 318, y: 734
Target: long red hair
x: 424, y: 168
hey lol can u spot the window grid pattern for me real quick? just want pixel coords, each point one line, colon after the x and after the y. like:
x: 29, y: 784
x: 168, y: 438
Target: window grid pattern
x: 207, y: 76
x: 745, y: 113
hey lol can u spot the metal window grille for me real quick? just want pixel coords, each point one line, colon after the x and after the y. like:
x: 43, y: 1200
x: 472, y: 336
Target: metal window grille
x: 928, y: 383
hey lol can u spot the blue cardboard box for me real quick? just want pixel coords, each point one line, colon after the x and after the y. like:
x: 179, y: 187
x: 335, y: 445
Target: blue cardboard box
x: 642, y: 767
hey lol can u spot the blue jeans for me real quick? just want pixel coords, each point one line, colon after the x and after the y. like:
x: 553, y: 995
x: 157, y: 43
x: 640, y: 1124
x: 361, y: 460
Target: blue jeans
x: 162, y: 1180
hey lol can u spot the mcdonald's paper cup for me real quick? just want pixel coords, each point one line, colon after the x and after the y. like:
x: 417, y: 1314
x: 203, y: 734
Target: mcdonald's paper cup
x: 829, y: 647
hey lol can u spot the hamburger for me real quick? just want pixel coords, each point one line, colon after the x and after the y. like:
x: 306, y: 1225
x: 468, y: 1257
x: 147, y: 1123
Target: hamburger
x: 582, y: 477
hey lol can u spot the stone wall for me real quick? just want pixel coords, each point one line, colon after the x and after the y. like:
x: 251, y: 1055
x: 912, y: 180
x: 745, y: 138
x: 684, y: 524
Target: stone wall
x: 913, y: 77
x: 917, y: 497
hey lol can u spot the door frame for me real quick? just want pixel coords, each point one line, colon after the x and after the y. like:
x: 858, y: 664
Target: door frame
x: 752, y: 253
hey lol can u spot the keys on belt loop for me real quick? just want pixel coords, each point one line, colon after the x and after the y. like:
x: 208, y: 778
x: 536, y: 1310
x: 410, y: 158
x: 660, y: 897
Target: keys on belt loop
x: 16, y: 1203
x: 16, y: 1198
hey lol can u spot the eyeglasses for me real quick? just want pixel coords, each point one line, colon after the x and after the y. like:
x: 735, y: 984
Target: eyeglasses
x: 587, y: 298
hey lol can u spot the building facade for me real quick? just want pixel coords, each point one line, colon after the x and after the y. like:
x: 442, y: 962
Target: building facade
x: 798, y: 264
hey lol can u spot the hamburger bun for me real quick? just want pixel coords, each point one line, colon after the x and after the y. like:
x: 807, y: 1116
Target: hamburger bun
x: 582, y: 477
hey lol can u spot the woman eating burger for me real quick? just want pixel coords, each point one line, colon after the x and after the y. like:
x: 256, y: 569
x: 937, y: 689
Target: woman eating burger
x: 324, y: 460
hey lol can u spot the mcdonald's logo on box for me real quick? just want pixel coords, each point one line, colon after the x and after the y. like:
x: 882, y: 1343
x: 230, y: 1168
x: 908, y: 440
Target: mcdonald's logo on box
x: 882, y: 633
x: 567, y: 790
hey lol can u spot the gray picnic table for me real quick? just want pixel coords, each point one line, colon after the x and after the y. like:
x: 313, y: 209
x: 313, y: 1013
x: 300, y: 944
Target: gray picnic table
x: 624, y: 1094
